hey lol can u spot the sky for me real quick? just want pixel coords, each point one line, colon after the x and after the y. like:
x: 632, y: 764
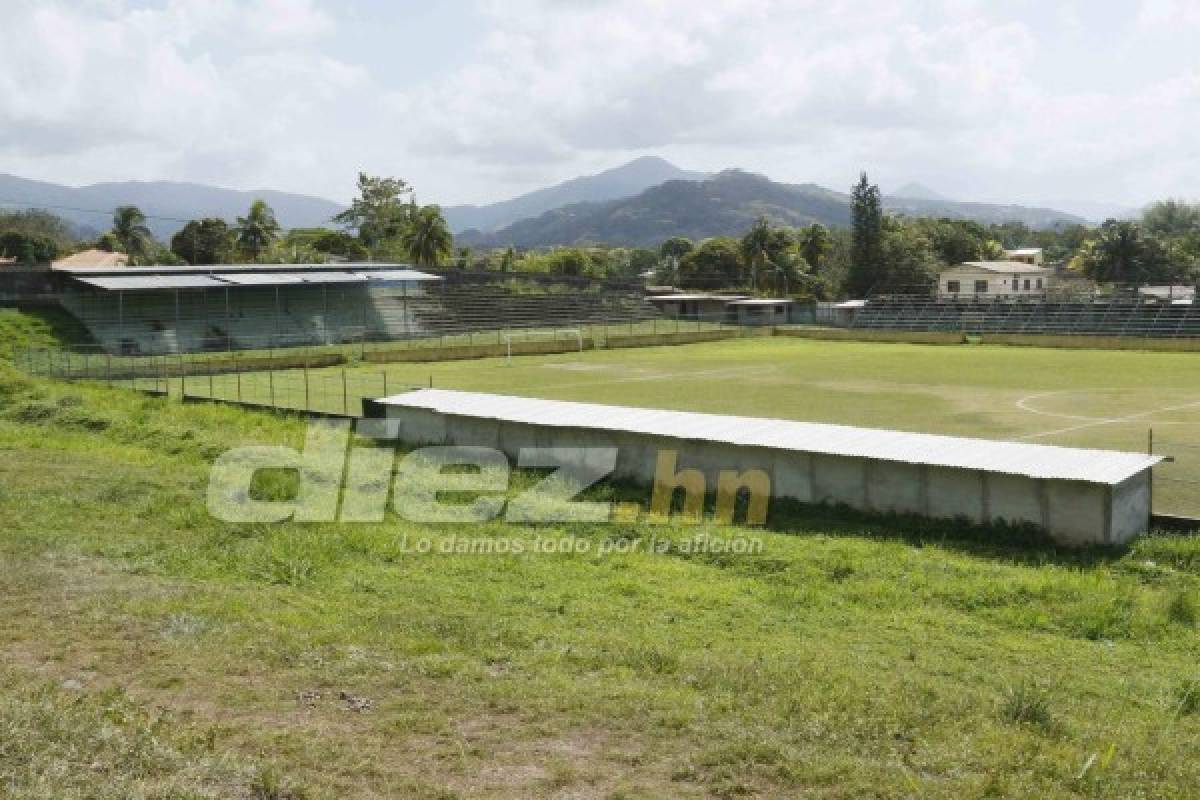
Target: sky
x: 479, y: 100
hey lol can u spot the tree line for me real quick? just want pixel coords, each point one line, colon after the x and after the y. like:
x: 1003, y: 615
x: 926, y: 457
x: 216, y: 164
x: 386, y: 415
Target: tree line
x: 383, y: 223
x: 878, y: 252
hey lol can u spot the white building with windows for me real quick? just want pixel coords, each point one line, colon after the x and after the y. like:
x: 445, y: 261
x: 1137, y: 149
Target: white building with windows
x: 991, y: 279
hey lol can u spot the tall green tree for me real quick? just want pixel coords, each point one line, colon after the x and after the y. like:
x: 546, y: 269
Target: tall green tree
x: 1172, y: 219
x: 204, y: 241
x: 382, y: 211
x: 257, y: 231
x: 814, y: 243
x: 427, y: 238
x: 866, y: 256
x: 27, y: 248
x: 508, y: 261
x: 132, y: 234
x: 676, y: 247
x: 1122, y: 252
x: 715, y: 264
x: 909, y: 260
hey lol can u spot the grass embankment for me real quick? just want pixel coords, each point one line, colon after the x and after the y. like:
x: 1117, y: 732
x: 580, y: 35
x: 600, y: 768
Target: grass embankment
x: 152, y: 651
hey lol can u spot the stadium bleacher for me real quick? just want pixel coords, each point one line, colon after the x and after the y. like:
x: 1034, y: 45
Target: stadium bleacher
x: 142, y: 312
x: 1114, y: 315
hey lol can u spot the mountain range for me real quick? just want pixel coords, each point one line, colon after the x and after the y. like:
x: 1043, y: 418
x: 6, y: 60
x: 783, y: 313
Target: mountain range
x: 727, y: 204
x: 640, y: 203
x: 168, y: 205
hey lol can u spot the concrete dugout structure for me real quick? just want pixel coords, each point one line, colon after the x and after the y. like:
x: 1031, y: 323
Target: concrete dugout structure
x: 1079, y: 497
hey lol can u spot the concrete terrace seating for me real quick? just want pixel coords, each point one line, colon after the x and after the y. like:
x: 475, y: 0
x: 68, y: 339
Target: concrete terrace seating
x: 255, y: 317
x: 1096, y: 317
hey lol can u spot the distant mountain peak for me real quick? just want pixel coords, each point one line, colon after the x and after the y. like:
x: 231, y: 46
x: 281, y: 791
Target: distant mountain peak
x: 625, y: 180
x: 919, y: 191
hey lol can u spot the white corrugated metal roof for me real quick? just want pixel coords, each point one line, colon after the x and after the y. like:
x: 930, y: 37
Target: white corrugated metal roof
x: 399, y: 275
x: 149, y: 283
x: 761, y: 301
x: 1012, y: 458
x: 328, y: 277
x: 258, y: 279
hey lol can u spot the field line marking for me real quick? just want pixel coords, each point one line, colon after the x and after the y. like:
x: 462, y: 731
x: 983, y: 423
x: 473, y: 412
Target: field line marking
x: 1024, y: 401
x: 1095, y: 423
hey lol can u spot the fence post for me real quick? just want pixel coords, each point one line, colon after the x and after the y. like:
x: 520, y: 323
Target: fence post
x: 385, y: 389
x: 345, y: 394
x: 271, y: 383
x: 306, y: 407
x: 211, y: 394
x: 237, y: 369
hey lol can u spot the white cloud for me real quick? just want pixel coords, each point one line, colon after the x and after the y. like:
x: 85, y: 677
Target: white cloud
x: 987, y: 98
x: 103, y: 90
x: 1172, y: 14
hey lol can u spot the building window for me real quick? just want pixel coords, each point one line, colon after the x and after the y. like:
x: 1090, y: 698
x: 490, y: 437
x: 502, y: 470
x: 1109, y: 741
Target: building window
x: 953, y: 287
x: 1027, y: 287
x: 1039, y: 283
x: 981, y: 287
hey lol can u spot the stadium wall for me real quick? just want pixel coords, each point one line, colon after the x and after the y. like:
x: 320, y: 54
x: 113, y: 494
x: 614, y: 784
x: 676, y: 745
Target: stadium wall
x: 1062, y: 341
x: 657, y: 339
x: 422, y: 353
x: 857, y: 335
x: 1073, y: 513
x: 1093, y: 342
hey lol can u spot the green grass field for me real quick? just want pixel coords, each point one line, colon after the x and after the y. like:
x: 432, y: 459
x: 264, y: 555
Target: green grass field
x: 151, y: 651
x: 1079, y: 398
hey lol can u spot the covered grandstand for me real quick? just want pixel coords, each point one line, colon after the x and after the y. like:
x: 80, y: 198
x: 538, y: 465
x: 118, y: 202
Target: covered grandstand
x: 159, y: 310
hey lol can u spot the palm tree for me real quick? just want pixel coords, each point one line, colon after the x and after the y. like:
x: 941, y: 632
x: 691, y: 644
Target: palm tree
x: 131, y: 233
x: 257, y: 230
x: 427, y: 239
x: 755, y: 246
x: 814, y: 243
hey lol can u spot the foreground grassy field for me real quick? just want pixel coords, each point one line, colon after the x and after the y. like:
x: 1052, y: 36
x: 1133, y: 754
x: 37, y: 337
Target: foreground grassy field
x: 1083, y: 398
x: 152, y: 651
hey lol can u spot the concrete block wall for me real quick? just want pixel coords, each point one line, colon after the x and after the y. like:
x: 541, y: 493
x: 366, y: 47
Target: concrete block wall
x: 1072, y: 512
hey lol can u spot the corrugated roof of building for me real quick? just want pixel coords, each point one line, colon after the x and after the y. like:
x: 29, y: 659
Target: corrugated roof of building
x: 760, y: 301
x: 84, y: 268
x: 149, y: 280
x: 1002, y: 266
x: 399, y: 275
x: 1012, y: 458
x: 143, y: 283
x: 257, y: 278
x: 327, y: 276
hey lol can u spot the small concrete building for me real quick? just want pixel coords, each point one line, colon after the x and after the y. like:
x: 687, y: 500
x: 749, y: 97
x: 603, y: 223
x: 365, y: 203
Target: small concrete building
x: 1168, y: 295
x: 709, y: 307
x: 1033, y: 256
x: 761, y: 311
x: 982, y: 280
x: 1080, y: 497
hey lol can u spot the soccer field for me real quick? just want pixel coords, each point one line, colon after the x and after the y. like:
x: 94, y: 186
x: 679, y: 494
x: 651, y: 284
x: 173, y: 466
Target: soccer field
x: 1081, y: 398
